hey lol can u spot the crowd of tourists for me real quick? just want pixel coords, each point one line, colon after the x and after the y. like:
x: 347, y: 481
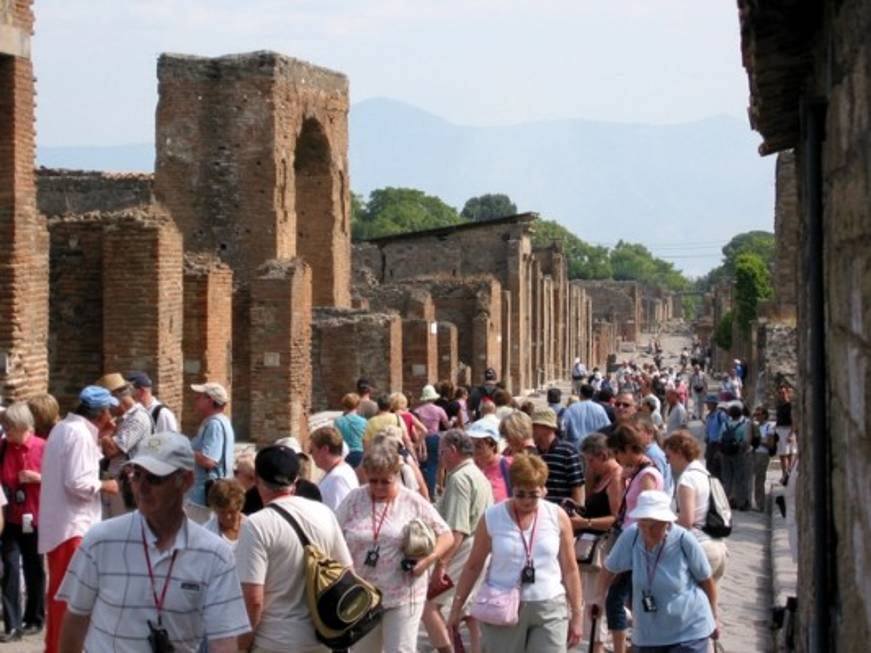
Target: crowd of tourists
x: 489, y: 523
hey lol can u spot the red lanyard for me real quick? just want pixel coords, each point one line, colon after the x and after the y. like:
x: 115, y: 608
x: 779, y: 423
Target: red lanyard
x: 376, y: 531
x: 158, y: 602
x: 527, y: 548
x: 651, y: 573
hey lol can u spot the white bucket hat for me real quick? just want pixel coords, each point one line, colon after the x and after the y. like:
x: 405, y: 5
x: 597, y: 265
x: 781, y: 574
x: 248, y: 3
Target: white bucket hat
x: 429, y: 393
x: 653, y: 504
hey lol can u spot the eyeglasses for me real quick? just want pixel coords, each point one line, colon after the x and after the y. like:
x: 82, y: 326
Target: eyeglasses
x: 380, y: 481
x: 139, y: 475
x: 623, y: 404
x: 521, y: 494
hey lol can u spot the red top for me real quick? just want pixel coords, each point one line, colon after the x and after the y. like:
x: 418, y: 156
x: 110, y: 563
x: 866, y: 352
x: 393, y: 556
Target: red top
x: 409, y: 422
x: 15, y: 458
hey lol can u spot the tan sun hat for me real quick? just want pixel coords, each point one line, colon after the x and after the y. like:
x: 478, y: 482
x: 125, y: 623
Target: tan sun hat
x: 112, y: 382
x: 545, y: 417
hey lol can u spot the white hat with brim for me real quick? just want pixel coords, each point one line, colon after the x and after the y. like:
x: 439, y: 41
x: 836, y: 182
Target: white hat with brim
x: 429, y: 393
x: 164, y: 453
x: 483, y: 429
x: 653, y: 504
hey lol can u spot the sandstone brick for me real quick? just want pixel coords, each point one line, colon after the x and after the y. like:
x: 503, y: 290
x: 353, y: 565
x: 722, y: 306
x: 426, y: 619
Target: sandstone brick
x: 448, y: 362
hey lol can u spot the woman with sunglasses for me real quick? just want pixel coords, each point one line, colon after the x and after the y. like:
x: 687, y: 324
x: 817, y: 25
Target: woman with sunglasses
x: 373, y: 520
x: 530, y: 545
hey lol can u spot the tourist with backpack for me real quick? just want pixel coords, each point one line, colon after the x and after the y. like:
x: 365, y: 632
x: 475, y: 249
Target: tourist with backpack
x: 693, y: 495
x: 734, y: 445
x: 161, y: 416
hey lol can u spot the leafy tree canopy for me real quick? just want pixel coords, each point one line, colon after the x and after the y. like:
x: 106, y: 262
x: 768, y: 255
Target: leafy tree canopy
x: 752, y: 285
x: 584, y: 261
x: 487, y: 207
x: 634, y: 262
x: 392, y: 211
x: 759, y: 243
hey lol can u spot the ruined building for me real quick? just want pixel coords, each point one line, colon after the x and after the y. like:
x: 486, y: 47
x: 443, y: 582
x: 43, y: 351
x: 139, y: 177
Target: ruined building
x: 809, y: 70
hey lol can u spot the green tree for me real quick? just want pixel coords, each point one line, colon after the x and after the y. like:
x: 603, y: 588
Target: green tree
x: 392, y: 211
x: 760, y: 243
x: 584, y: 261
x: 487, y: 207
x: 723, y: 332
x: 752, y: 285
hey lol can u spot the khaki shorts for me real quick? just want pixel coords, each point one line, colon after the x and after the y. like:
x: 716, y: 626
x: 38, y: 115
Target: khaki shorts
x: 716, y: 552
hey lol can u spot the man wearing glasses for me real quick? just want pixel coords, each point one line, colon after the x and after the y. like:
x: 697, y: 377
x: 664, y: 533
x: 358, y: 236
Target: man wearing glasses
x: 153, y: 579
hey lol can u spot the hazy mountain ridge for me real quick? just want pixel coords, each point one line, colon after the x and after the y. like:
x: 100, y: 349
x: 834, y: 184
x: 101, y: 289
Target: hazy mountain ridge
x: 692, y: 182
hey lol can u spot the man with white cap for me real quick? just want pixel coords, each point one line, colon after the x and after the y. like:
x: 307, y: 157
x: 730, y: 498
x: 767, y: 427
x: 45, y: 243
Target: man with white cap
x: 213, y: 447
x: 69, y: 497
x: 153, y: 579
x: 674, y: 596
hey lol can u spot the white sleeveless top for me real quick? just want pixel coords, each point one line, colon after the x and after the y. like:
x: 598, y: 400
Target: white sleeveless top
x: 508, y: 556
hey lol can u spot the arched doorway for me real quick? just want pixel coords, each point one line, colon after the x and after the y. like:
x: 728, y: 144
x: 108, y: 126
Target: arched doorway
x: 316, y: 211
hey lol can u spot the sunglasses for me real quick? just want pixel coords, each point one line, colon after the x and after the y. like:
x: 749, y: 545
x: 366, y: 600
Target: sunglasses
x: 623, y: 404
x: 520, y: 494
x: 139, y: 475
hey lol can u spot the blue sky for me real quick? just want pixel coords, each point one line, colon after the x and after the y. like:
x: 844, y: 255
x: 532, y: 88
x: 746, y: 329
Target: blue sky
x: 480, y: 62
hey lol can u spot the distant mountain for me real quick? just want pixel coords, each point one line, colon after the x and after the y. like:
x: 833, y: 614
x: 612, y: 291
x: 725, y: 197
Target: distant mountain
x: 695, y: 184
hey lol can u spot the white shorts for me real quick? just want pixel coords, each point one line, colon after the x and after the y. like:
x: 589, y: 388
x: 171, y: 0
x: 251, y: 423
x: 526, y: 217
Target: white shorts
x: 786, y: 441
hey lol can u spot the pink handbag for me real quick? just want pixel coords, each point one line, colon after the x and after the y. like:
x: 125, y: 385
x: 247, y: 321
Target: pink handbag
x: 496, y: 606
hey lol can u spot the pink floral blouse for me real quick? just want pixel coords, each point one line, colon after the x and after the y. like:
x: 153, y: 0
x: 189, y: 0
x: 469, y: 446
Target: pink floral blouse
x: 355, y: 517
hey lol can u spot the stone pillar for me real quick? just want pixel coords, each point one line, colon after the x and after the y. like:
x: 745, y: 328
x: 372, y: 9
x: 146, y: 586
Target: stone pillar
x: 419, y: 356
x: 23, y: 234
x: 508, y: 351
x: 208, y: 330
x: 787, y: 221
x: 76, y: 306
x: 142, y: 300
x: 447, y: 354
x: 348, y: 344
x: 280, y: 346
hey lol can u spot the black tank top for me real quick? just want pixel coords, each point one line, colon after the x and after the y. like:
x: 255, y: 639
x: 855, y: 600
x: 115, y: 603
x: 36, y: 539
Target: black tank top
x: 597, y: 504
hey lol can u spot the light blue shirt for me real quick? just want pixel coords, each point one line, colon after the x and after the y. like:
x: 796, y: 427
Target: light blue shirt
x: 657, y: 455
x: 582, y: 418
x: 683, y: 612
x: 216, y: 440
x: 352, y: 427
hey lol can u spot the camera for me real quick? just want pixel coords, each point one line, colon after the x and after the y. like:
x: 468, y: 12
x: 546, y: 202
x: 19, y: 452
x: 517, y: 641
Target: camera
x: 408, y: 564
x: 158, y: 639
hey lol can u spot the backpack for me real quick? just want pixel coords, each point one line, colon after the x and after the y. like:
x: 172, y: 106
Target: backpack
x: 718, y: 520
x: 155, y: 413
x: 730, y: 444
x: 343, y: 606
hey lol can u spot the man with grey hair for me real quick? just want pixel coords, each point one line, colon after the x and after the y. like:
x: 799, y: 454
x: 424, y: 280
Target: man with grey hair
x: 467, y: 495
x: 271, y: 560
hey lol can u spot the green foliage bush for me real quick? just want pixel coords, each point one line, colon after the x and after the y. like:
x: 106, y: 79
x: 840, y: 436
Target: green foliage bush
x: 723, y: 332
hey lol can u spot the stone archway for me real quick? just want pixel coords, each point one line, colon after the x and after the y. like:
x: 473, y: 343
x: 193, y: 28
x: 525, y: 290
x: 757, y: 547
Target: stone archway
x: 317, y: 215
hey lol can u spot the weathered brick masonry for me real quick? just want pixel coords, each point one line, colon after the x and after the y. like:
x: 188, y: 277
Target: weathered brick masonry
x: 79, y: 191
x: 24, y: 254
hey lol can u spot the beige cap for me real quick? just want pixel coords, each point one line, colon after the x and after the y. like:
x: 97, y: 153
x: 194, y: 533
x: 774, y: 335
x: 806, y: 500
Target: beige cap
x: 113, y: 382
x: 545, y: 417
x: 215, y: 392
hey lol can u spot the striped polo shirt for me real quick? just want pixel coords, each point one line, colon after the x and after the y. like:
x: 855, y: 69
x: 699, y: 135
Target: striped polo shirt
x: 108, y: 580
x: 564, y: 471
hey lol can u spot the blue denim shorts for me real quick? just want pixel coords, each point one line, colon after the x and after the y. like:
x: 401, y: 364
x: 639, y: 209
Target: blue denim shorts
x: 618, y: 597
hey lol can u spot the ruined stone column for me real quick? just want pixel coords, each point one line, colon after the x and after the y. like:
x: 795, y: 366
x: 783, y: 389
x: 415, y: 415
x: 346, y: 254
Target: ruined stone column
x: 23, y: 233
x: 448, y: 361
x: 280, y: 346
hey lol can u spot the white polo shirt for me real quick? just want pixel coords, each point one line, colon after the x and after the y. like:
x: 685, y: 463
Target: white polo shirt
x: 108, y: 580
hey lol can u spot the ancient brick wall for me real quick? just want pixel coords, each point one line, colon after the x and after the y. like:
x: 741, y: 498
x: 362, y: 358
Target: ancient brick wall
x: 207, y: 340
x: 447, y: 352
x: 280, y: 346
x: 252, y: 162
x: 500, y: 248
x: 786, y: 232
x: 76, y: 306
x: 348, y: 344
x: 143, y: 299
x: 618, y: 302
x: 79, y: 191
x: 24, y: 253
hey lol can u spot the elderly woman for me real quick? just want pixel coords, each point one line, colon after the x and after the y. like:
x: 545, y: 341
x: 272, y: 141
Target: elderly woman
x: 674, y: 597
x: 485, y: 439
x: 226, y: 498
x: 530, y: 546
x: 602, y: 505
x: 373, y: 519
x: 693, y: 496
x: 628, y: 445
x: 20, y: 474
x: 517, y: 431
x: 46, y: 414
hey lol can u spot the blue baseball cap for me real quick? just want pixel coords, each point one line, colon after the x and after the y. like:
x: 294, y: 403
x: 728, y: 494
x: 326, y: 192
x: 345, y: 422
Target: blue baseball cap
x: 139, y: 379
x: 95, y: 396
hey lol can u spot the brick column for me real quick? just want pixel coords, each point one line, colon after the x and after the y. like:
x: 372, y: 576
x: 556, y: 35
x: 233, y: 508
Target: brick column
x: 447, y: 351
x: 23, y: 234
x: 280, y: 346
x: 208, y: 330
x: 142, y: 300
